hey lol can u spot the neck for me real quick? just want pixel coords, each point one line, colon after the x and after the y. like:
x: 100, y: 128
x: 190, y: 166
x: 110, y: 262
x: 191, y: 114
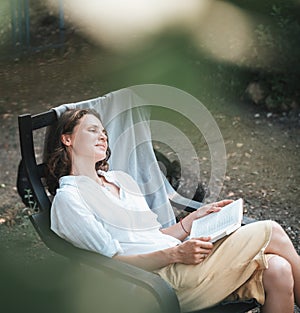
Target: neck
x: 84, y: 168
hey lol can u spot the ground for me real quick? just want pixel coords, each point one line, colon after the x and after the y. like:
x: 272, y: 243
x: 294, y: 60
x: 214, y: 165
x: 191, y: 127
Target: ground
x: 262, y: 150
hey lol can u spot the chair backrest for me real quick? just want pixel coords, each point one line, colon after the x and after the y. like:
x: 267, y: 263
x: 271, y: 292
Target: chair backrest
x: 27, y: 125
x: 29, y: 183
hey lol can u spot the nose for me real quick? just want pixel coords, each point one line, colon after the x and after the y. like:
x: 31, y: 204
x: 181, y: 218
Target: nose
x: 102, y: 135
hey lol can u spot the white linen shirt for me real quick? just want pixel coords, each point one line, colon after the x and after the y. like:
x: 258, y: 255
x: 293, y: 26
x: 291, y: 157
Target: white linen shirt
x: 82, y: 224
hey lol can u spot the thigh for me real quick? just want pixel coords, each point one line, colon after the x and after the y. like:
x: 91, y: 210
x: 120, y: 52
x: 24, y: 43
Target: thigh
x: 233, y: 261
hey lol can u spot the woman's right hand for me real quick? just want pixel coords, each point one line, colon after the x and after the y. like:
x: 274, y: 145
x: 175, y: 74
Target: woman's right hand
x: 193, y: 251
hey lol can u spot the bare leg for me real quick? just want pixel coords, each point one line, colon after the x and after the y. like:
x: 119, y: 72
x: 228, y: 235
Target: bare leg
x: 278, y: 283
x: 281, y: 245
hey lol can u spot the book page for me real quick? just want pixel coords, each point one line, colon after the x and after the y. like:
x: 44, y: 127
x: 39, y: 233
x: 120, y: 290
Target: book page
x: 220, y: 223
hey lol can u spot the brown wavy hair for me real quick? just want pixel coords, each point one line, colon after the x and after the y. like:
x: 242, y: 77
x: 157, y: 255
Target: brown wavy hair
x: 56, y: 157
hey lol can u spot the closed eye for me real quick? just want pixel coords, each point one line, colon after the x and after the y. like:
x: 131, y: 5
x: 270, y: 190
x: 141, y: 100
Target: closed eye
x: 93, y: 128
x: 96, y: 129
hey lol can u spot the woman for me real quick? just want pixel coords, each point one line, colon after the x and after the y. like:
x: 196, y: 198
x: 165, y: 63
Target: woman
x: 104, y: 211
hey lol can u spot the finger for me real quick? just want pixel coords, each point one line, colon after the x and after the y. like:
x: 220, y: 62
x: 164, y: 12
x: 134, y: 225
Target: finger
x: 207, y: 247
x: 205, y: 243
x: 203, y: 252
x: 224, y: 202
x: 214, y: 209
x: 204, y: 256
x: 203, y: 239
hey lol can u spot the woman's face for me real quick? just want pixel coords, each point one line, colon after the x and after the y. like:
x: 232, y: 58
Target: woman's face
x: 88, y: 140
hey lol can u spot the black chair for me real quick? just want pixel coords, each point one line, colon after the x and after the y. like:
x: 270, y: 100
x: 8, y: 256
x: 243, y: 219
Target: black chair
x: 30, y: 176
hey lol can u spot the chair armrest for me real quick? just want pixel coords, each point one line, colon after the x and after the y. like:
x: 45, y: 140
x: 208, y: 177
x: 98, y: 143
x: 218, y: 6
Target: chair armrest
x: 184, y: 203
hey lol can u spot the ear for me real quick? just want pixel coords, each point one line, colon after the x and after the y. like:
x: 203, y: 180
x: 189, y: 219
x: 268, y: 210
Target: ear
x: 66, y: 140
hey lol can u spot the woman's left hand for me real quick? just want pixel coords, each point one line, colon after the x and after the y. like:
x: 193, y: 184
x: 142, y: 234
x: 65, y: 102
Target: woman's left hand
x: 211, y: 208
x: 180, y: 232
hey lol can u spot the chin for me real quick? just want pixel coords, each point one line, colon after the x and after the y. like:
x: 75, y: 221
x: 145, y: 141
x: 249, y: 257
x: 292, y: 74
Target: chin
x: 100, y: 159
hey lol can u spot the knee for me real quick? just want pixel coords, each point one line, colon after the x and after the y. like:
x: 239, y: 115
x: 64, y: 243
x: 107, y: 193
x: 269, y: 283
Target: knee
x: 278, y: 234
x: 279, y: 275
x: 276, y: 228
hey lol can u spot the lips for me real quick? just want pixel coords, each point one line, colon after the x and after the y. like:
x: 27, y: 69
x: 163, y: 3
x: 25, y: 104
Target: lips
x: 101, y: 146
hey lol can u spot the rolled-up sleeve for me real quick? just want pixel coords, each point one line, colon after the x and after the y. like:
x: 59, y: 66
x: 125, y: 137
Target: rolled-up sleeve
x: 72, y: 221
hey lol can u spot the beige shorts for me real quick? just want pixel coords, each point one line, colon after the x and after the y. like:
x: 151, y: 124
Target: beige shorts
x: 232, y: 271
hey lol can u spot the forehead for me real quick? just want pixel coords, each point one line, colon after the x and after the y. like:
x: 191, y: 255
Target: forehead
x: 90, y: 119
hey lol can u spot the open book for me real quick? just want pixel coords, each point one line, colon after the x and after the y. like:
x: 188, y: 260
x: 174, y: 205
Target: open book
x: 219, y: 224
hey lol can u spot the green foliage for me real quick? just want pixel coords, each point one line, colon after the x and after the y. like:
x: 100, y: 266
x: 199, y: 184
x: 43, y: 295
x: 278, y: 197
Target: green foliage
x: 33, y: 207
